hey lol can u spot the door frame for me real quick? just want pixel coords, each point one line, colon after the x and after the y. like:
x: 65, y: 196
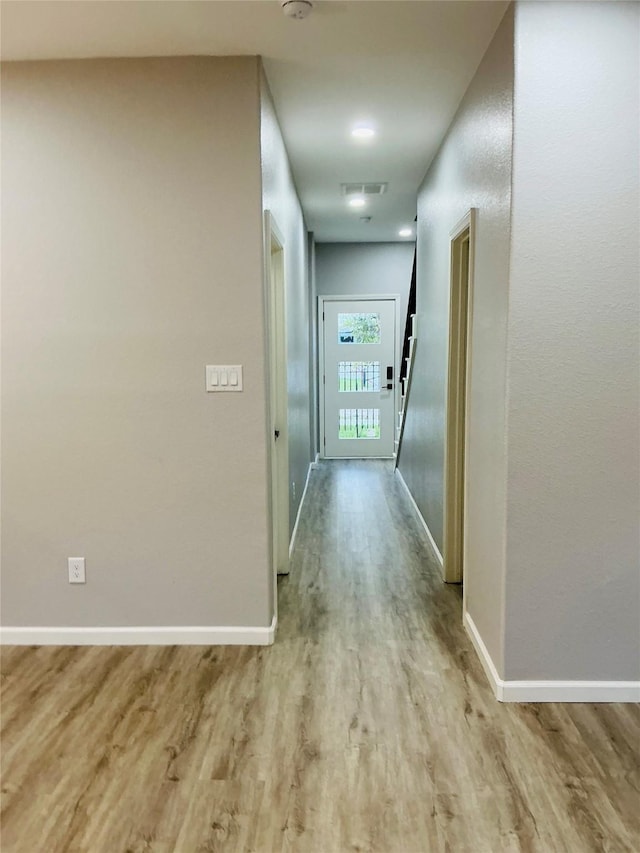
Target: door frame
x: 458, y: 384
x: 357, y: 297
x: 277, y: 402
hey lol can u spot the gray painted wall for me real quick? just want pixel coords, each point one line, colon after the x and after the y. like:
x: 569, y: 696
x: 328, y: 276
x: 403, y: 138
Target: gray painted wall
x: 572, y: 594
x: 280, y: 197
x: 360, y: 268
x: 132, y: 257
x: 553, y: 572
x: 472, y: 169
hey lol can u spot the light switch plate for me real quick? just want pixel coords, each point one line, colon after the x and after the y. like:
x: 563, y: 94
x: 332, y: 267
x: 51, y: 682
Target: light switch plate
x: 224, y: 377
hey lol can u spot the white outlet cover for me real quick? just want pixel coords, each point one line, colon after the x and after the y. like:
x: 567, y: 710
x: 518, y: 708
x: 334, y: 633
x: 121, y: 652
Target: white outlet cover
x: 76, y: 570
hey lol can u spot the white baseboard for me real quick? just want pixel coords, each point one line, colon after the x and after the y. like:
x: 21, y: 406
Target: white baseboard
x: 432, y: 541
x: 571, y: 691
x: 497, y: 684
x: 300, y: 505
x: 549, y: 691
x: 170, y: 636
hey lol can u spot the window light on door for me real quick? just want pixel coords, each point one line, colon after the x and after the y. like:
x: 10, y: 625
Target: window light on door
x: 359, y: 328
x: 358, y: 376
x: 359, y: 423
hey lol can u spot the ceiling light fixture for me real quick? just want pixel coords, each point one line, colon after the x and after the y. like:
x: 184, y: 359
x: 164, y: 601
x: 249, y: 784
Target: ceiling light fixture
x: 405, y: 232
x: 363, y: 132
x: 358, y: 201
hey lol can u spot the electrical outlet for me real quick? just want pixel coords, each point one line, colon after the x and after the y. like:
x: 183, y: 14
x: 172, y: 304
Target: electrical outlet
x: 294, y: 491
x: 76, y: 570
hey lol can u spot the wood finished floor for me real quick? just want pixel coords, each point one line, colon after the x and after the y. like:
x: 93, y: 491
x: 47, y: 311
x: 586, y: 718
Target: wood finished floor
x: 369, y: 726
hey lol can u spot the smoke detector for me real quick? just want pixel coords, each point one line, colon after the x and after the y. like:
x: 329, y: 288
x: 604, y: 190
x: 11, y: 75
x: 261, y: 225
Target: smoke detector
x: 297, y: 9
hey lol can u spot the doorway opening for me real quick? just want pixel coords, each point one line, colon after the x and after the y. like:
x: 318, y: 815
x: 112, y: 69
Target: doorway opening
x: 278, y: 409
x: 458, y: 378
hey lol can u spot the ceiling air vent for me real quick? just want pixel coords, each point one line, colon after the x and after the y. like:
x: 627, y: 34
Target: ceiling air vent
x: 363, y: 189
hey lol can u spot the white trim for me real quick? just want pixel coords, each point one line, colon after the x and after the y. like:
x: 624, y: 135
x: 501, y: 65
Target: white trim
x: 463, y: 223
x: 496, y: 683
x: 571, y: 691
x: 549, y: 691
x: 316, y: 462
x: 451, y: 506
x: 275, y: 308
x: 312, y: 465
x: 360, y: 457
x: 219, y: 635
x: 432, y: 541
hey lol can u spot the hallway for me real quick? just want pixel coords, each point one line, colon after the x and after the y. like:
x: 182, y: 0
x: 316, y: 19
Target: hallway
x: 368, y: 726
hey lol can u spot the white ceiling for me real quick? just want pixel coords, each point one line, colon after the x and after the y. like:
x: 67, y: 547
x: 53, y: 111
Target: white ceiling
x: 403, y: 66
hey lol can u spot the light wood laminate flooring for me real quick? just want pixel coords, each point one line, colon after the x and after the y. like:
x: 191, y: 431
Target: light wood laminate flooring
x: 368, y: 726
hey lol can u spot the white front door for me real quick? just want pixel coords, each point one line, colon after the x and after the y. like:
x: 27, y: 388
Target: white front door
x: 359, y: 377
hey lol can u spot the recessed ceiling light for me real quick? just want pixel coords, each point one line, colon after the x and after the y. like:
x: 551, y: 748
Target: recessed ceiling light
x: 405, y: 232
x: 363, y: 132
x: 358, y: 201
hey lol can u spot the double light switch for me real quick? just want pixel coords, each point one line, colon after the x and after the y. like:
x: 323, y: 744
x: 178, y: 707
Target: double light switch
x: 224, y: 377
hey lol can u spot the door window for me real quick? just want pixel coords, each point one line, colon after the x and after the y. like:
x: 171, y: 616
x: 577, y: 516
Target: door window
x: 359, y: 328
x: 354, y: 376
x: 359, y: 423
